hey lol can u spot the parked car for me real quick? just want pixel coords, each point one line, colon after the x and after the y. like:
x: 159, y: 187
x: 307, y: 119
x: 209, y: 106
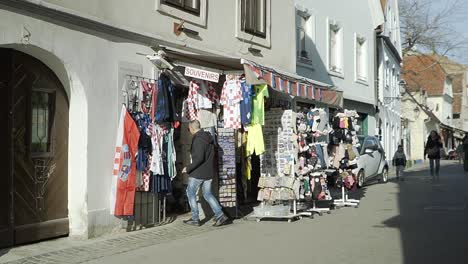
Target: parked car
x: 372, y: 163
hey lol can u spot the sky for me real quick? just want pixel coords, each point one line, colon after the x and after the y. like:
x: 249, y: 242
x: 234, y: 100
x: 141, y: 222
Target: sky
x: 460, y: 27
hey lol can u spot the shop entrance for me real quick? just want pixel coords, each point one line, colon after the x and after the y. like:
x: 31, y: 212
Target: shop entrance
x: 34, y: 156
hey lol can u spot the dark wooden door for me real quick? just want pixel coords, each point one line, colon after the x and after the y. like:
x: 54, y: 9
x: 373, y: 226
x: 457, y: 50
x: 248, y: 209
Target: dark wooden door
x: 38, y: 114
x: 6, y: 187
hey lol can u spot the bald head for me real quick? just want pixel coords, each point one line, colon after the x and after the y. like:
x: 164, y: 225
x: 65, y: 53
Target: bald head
x: 194, y: 126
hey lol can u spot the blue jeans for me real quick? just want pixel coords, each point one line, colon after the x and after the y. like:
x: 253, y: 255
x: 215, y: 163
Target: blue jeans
x: 434, y: 163
x: 192, y: 188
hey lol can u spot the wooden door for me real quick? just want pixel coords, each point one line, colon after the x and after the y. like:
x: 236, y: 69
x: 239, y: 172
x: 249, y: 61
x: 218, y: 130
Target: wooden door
x: 38, y: 131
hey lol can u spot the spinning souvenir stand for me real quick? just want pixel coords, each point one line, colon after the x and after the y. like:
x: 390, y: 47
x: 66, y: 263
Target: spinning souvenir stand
x: 278, y: 182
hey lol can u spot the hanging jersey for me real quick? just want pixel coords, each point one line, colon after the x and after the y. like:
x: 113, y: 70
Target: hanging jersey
x: 126, y: 177
x: 258, y: 109
x: 246, y: 104
x: 231, y: 97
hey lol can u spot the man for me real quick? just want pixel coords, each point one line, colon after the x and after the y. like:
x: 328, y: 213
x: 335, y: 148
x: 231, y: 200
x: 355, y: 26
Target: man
x: 201, y: 172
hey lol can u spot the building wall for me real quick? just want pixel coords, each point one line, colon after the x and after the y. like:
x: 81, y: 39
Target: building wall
x: 92, y: 68
x: 389, y: 69
x: 89, y: 67
x: 219, y: 32
x: 360, y: 21
x: 442, y: 108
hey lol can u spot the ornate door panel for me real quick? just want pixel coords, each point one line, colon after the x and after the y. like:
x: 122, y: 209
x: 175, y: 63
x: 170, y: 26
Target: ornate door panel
x: 39, y: 136
x: 6, y: 176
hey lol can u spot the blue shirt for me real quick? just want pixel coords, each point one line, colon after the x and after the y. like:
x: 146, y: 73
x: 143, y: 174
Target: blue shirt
x: 246, y: 103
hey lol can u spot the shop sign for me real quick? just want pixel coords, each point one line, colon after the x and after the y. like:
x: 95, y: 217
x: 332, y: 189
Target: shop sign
x: 202, y: 74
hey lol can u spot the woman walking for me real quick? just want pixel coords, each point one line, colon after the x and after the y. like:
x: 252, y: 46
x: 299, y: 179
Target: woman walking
x: 432, y: 150
x: 465, y: 152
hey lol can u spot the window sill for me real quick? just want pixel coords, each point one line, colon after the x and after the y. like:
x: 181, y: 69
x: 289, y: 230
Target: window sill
x: 336, y: 74
x: 305, y: 63
x: 199, y: 20
x: 363, y: 82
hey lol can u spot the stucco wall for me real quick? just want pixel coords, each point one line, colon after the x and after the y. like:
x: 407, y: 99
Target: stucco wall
x: 360, y: 22
x: 88, y: 67
x: 218, y: 35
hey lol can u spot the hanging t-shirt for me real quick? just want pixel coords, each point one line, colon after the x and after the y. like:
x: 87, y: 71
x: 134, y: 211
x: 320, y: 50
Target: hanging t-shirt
x: 126, y: 178
x: 258, y: 108
x: 246, y: 104
x: 230, y: 99
x: 255, y: 141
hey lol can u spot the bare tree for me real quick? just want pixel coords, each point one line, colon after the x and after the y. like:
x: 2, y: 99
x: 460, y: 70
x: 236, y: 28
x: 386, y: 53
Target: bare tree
x: 424, y: 27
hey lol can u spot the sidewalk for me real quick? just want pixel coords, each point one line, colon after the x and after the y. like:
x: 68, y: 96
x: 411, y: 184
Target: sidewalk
x: 67, y: 250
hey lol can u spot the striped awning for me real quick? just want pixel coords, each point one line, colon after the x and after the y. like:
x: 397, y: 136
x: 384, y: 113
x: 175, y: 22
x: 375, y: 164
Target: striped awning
x: 292, y: 84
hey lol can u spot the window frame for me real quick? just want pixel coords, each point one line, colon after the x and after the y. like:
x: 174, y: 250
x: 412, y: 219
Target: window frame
x: 172, y: 10
x: 249, y: 38
x: 181, y: 6
x: 304, y: 16
x: 254, y: 30
x: 338, y: 69
x: 361, y: 64
x: 52, y: 104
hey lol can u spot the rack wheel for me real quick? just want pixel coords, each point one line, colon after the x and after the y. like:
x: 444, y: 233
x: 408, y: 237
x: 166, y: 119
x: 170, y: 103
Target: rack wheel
x: 320, y: 214
x: 356, y: 206
x: 328, y: 212
x: 258, y: 220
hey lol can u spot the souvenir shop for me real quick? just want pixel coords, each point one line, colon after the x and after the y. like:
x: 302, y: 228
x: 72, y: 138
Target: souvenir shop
x: 308, y: 163
x: 271, y: 131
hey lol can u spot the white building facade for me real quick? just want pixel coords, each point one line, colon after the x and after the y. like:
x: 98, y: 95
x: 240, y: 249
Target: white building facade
x: 389, y: 67
x: 91, y: 46
x: 338, y: 47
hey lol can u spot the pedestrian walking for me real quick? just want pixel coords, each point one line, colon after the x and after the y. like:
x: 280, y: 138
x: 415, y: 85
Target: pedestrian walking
x: 201, y: 172
x: 460, y: 151
x: 465, y: 152
x: 399, y: 161
x: 432, y: 150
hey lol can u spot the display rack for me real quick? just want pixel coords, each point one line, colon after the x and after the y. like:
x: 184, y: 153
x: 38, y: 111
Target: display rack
x: 294, y: 215
x: 345, y: 201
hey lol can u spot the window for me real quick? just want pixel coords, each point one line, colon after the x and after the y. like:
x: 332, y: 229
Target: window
x: 253, y: 17
x: 42, y: 110
x: 190, y: 6
x: 191, y: 11
x: 305, y: 34
x: 335, y: 46
x: 361, y: 59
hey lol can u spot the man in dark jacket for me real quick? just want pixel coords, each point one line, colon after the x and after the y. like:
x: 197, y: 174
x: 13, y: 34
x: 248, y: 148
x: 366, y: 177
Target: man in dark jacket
x: 201, y: 172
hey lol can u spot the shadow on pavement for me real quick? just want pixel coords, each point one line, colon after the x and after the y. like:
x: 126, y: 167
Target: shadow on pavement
x: 3, y: 251
x: 433, y: 219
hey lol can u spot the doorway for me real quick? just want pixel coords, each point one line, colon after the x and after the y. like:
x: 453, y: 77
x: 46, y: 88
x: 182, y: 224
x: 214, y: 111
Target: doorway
x: 34, y: 135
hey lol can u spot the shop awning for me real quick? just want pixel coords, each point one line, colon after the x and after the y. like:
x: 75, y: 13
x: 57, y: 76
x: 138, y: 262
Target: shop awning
x: 292, y: 84
x: 219, y: 64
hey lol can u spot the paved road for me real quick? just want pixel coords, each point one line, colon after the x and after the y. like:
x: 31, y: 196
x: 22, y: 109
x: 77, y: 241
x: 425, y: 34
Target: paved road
x: 411, y: 222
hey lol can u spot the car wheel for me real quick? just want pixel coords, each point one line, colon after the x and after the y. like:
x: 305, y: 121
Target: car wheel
x: 385, y: 175
x: 361, y: 178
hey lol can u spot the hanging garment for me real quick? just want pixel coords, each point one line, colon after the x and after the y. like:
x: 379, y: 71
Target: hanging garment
x: 340, y: 154
x: 126, y: 181
x: 171, y: 155
x: 201, y: 95
x: 255, y: 140
x: 246, y: 104
x: 165, y: 106
x: 321, y: 156
x: 117, y: 155
x: 157, y: 140
x: 231, y: 97
x: 323, y: 120
x: 258, y: 104
x: 147, y: 93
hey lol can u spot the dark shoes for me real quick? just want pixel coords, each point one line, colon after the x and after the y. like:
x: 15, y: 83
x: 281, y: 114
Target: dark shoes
x: 222, y: 220
x: 192, y: 222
